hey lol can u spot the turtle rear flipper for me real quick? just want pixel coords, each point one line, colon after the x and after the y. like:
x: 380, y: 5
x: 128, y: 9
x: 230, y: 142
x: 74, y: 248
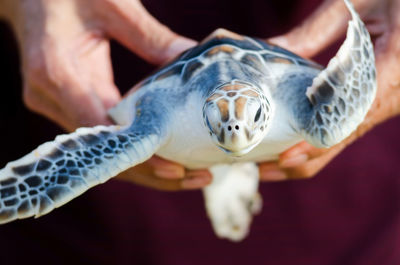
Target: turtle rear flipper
x: 342, y: 94
x: 61, y: 170
x: 232, y: 199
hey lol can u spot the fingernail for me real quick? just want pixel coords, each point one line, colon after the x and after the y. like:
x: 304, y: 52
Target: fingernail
x: 195, y: 183
x: 170, y: 173
x: 179, y: 45
x: 294, y: 161
x: 273, y: 175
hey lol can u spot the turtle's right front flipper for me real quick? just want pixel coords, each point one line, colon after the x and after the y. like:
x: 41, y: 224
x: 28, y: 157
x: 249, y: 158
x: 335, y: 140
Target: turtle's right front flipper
x: 342, y: 94
x: 61, y: 170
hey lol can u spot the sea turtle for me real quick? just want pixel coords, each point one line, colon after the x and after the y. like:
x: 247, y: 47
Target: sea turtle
x: 225, y: 104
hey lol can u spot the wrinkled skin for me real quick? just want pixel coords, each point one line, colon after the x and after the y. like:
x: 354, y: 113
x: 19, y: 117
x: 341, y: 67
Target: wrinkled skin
x: 325, y: 26
x: 68, y: 76
x: 67, y: 71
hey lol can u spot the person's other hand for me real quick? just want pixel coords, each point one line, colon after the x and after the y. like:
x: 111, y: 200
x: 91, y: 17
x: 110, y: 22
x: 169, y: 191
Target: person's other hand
x: 325, y: 26
x: 67, y: 71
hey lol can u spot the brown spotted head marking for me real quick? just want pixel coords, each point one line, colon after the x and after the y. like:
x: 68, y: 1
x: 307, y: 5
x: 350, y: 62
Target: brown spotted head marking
x: 237, y: 116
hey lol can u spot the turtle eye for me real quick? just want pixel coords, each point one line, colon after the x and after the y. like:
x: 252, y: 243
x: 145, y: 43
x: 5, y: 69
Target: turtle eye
x: 258, y: 114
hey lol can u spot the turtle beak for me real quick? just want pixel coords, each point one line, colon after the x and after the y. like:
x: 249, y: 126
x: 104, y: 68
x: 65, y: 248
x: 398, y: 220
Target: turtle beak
x: 238, y: 153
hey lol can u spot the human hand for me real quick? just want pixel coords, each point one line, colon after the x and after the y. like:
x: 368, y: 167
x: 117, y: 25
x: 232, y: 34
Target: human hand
x: 67, y: 70
x: 66, y: 55
x: 325, y: 26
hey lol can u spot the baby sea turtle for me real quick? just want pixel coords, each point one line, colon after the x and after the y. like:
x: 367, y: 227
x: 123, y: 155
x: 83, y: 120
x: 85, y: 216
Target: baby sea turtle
x: 225, y: 104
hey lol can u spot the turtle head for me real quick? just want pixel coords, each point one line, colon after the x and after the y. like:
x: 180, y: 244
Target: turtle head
x: 236, y: 115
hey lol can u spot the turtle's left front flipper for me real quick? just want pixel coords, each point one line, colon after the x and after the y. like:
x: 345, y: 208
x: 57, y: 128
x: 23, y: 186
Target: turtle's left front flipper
x: 61, y: 170
x: 342, y: 94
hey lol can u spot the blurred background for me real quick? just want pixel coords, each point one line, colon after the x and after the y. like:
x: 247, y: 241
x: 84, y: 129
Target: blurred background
x: 348, y: 214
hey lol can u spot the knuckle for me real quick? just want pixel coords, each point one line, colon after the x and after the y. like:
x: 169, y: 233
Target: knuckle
x: 40, y: 68
x: 29, y: 98
x: 36, y: 71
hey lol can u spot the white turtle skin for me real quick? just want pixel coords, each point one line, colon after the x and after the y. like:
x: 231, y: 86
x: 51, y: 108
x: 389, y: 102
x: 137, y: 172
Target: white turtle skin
x: 183, y: 113
x: 222, y: 58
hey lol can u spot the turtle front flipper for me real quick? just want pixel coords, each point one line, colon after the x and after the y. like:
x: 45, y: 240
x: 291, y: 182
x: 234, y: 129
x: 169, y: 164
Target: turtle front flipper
x: 61, y: 170
x: 342, y: 94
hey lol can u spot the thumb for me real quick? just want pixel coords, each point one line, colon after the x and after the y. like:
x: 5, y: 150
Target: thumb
x: 322, y: 28
x: 129, y: 23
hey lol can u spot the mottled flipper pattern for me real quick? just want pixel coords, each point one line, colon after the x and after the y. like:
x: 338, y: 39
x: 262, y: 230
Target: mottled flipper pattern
x: 59, y: 171
x: 342, y: 94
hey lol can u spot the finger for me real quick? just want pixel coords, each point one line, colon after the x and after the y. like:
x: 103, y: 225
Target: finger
x: 150, y: 181
x: 172, y: 175
x: 198, y: 173
x: 142, y: 175
x: 95, y: 60
x: 130, y: 23
x: 163, y: 168
x: 300, y: 161
x: 322, y: 28
x: 166, y: 169
x: 292, y: 166
x: 299, y: 154
x: 271, y: 171
x: 196, y: 179
x: 313, y: 166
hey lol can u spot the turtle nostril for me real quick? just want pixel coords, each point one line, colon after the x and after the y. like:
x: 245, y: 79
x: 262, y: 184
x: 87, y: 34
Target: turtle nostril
x: 237, y: 127
x: 229, y: 128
